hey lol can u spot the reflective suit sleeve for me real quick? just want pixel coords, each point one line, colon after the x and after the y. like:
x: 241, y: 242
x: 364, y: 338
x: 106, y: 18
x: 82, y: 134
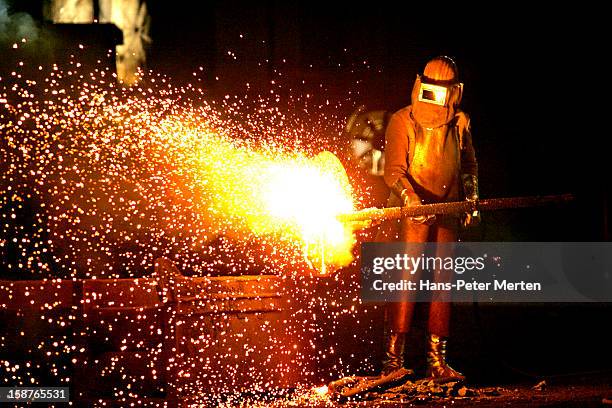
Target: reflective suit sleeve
x: 469, y: 165
x: 396, y: 155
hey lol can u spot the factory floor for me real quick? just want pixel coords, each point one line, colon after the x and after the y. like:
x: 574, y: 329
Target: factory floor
x: 588, y: 390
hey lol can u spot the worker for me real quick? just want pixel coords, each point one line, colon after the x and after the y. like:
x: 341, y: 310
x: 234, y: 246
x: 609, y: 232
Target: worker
x: 429, y: 158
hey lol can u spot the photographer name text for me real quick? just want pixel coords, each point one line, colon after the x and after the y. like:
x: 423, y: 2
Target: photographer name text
x: 459, y: 285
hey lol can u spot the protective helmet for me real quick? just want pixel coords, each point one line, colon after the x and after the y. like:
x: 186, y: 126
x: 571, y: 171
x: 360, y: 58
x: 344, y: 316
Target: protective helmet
x: 437, y: 93
x: 441, y: 69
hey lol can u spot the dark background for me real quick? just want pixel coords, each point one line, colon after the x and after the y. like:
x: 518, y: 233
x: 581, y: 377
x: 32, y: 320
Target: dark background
x: 529, y: 81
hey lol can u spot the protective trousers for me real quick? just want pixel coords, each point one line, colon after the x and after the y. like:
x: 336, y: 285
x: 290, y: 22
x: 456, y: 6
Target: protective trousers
x: 399, y: 314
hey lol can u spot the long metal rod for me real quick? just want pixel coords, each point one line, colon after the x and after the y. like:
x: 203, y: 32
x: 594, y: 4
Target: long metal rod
x: 454, y: 207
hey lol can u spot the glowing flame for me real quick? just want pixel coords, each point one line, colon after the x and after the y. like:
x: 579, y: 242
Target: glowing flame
x: 308, y: 195
x: 288, y: 195
x: 127, y: 175
x: 321, y: 390
x: 98, y: 181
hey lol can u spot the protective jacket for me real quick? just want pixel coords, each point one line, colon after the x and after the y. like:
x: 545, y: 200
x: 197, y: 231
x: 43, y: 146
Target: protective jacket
x: 428, y: 162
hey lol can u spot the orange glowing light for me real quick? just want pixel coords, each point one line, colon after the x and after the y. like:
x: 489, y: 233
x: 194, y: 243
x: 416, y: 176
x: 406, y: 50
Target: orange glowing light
x: 288, y: 195
x: 151, y: 172
x: 307, y: 195
x: 321, y: 390
x: 117, y: 177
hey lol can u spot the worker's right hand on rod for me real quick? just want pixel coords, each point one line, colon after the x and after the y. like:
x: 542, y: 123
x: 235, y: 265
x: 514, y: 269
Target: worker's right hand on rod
x: 411, y: 199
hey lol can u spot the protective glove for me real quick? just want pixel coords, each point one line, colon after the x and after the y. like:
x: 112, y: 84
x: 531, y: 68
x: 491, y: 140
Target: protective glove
x: 410, y: 199
x: 470, y: 190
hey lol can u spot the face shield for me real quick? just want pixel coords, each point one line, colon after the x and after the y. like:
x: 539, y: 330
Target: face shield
x: 435, y: 104
x: 434, y: 94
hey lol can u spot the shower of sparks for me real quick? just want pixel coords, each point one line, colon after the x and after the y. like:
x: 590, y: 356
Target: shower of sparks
x: 102, y: 172
x: 97, y: 181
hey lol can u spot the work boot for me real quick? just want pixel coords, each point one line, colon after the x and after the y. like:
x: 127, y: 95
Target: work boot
x: 437, y: 368
x: 394, y: 352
